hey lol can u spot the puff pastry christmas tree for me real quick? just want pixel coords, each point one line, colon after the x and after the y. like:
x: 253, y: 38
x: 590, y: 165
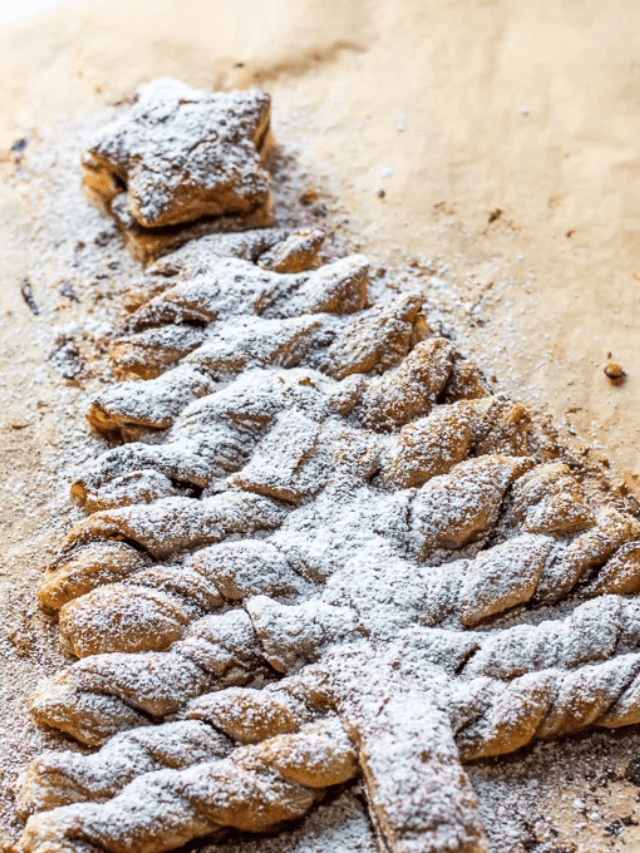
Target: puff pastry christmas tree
x: 297, y: 568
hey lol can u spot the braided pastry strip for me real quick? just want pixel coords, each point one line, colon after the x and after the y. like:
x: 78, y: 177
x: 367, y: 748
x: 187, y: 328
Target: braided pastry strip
x: 403, y: 725
x: 291, y: 635
x: 498, y: 579
x: 217, y: 435
x: 212, y: 575
x: 201, y: 457
x: 127, y: 409
x: 81, y: 568
x: 448, y: 511
x: 493, y: 718
x: 517, y: 571
x: 195, y: 449
x: 171, y: 525
x: 402, y: 394
x: 594, y: 631
x: 255, y: 788
x: 198, y: 256
x: 287, y: 636
x: 488, y: 718
x: 244, y: 715
x: 502, y: 576
x: 281, y: 469
x: 235, y: 347
x: 374, y: 340
x: 60, y: 778
x: 103, y: 694
x: 377, y: 338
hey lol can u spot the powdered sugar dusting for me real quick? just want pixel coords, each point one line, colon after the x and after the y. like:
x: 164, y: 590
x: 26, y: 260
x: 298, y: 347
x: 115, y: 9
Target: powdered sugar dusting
x: 348, y: 524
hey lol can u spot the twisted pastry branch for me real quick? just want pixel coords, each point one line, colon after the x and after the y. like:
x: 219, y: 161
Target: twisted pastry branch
x: 316, y: 755
x: 103, y: 694
x: 597, y: 630
x: 284, y: 469
x: 174, y: 524
x: 498, y: 579
x: 253, y: 789
x: 374, y: 340
x: 493, y: 719
x: 59, y: 778
x: 488, y: 718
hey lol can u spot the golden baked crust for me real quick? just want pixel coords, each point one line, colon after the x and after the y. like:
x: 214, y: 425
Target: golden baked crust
x: 313, y: 485
x: 182, y: 163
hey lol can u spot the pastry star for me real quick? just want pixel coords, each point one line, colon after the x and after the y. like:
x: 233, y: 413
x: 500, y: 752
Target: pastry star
x: 182, y: 154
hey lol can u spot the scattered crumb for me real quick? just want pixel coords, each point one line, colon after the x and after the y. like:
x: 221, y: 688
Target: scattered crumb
x: 615, y: 373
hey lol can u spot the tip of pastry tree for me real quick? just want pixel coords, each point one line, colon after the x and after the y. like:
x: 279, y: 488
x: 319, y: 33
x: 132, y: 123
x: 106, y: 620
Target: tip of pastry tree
x: 180, y: 163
